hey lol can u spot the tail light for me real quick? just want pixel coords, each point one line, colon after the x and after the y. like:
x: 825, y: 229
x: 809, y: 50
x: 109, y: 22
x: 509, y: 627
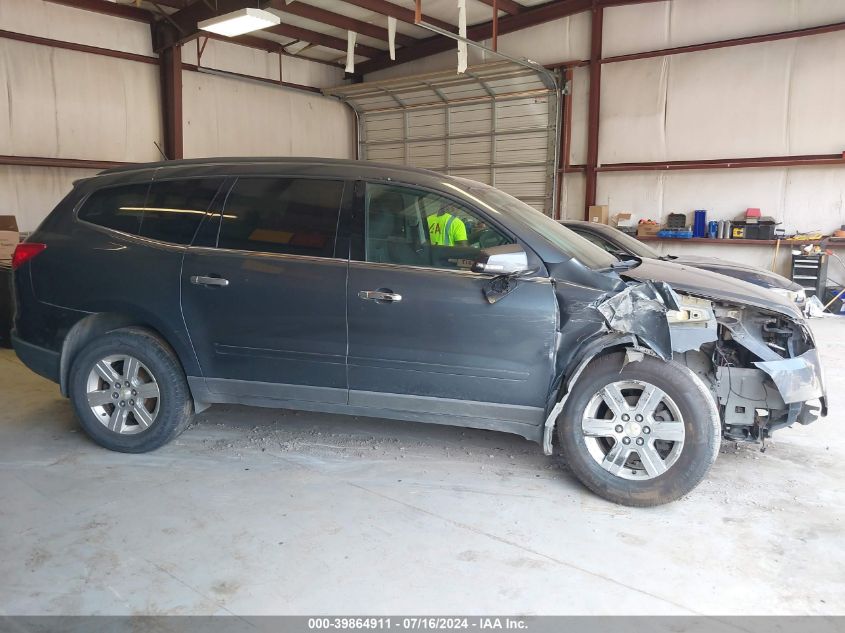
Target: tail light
x: 24, y: 252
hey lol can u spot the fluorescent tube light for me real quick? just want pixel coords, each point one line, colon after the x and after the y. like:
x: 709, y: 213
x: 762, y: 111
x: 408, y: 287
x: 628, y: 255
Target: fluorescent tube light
x: 239, y: 22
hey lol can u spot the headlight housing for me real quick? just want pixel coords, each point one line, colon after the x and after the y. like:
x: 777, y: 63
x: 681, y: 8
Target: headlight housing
x: 693, y: 310
x: 796, y: 296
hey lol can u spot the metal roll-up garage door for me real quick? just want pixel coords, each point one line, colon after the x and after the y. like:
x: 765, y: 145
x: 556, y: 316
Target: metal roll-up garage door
x: 496, y: 123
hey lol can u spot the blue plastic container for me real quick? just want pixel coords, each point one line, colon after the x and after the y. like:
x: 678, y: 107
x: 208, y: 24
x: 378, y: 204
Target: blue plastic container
x: 699, y: 224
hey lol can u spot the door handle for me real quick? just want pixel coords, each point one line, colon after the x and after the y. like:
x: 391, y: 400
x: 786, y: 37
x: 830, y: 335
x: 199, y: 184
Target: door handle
x: 378, y: 295
x: 201, y: 280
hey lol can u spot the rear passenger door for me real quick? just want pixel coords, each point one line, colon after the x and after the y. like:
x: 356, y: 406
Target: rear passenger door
x: 264, y: 293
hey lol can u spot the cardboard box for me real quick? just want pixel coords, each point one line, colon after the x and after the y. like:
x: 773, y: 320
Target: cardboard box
x: 599, y: 213
x: 647, y: 230
x: 9, y: 237
x: 625, y: 220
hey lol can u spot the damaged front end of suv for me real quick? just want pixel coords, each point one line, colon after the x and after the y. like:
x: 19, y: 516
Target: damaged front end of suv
x: 755, y: 354
x: 762, y: 367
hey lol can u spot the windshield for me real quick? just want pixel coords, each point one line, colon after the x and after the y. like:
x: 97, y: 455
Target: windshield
x: 563, y: 238
x: 633, y: 245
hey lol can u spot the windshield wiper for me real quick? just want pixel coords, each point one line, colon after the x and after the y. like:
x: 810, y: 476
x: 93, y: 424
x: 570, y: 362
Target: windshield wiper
x: 625, y: 264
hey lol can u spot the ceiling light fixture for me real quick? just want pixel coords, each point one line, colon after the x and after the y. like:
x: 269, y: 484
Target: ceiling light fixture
x: 239, y: 22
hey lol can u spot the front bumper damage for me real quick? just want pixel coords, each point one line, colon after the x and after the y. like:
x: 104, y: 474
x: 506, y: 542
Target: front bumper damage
x: 762, y: 367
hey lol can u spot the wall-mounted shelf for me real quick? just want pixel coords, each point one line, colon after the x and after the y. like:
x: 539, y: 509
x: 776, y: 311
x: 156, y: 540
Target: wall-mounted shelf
x: 706, y: 240
x: 830, y: 242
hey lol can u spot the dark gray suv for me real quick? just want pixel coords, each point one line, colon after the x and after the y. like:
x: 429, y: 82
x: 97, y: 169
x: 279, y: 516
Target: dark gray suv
x: 151, y: 292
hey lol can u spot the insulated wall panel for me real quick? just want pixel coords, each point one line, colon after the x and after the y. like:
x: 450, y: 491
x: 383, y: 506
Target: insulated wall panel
x: 232, y: 58
x: 30, y: 193
x: 66, y: 104
x: 580, y: 114
x: 572, y: 195
x: 231, y: 117
x: 258, y: 63
x: 656, y: 25
x: 69, y: 24
x: 771, y: 99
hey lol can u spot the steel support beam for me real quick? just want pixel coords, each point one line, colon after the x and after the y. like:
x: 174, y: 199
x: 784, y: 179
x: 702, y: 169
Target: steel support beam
x: 171, y: 102
x: 400, y: 13
x: 738, y: 41
x: 317, y: 14
x: 81, y: 48
x: 811, y: 160
x: 508, y: 6
x: 67, y: 163
x: 109, y: 8
x: 594, y: 106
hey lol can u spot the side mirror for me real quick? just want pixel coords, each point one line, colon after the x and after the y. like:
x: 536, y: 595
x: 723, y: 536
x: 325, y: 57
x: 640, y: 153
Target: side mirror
x: 501, y: 260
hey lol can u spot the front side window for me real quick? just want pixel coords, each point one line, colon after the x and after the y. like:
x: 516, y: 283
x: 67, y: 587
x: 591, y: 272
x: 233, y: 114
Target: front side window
x: 293, y: 216
x: 562, y: 238
x: 420, y: 228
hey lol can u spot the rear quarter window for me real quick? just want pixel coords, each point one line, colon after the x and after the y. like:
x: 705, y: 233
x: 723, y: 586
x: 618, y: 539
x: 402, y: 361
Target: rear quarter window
x: 119, y: 208
x: 167, y: 211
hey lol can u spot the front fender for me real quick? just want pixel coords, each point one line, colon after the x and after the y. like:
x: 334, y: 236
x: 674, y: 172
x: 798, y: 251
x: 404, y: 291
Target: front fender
x: 588, y: 352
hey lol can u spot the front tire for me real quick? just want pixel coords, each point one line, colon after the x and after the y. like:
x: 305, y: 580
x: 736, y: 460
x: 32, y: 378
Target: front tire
x: 129, y: 391
x: 641, y: 434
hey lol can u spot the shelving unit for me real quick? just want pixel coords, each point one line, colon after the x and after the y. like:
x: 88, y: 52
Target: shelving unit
x: 830, y: 242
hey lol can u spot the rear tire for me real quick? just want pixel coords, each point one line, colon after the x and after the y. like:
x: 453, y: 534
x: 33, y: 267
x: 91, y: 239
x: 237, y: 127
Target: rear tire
x: 129, y: 391
x: 642, y: 434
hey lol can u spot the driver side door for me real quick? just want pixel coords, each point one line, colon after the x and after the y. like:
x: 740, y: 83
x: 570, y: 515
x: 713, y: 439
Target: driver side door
x: 422, y: 336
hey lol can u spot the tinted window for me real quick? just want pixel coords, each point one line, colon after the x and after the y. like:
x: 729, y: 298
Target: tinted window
x: 118, y: 208
x: 295, y: 216
x: 420, y: 228
x: 168, y: 211
x: 174, y: 208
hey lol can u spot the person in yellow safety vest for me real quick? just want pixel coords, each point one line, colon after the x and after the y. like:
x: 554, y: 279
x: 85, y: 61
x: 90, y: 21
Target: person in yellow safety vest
x: 445, y: 229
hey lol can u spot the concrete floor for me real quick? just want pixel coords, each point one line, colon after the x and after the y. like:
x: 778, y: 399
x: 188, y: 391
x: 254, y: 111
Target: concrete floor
x: 257, y: 511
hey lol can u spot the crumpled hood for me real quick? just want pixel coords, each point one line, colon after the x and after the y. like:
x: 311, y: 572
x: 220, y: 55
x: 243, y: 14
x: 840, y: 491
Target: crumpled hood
x: 704, y: 283
x: 752, y: 274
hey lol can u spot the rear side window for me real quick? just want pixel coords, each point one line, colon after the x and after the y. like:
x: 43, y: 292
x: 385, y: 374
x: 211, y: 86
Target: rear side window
x: 118, y: 208
x: 295, y: 216
x: 167, y: 211
x: 174, y: 208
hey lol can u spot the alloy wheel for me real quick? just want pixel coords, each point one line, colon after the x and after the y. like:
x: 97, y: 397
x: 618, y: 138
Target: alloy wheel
x: 123, y: 394
x: 633, y: 429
